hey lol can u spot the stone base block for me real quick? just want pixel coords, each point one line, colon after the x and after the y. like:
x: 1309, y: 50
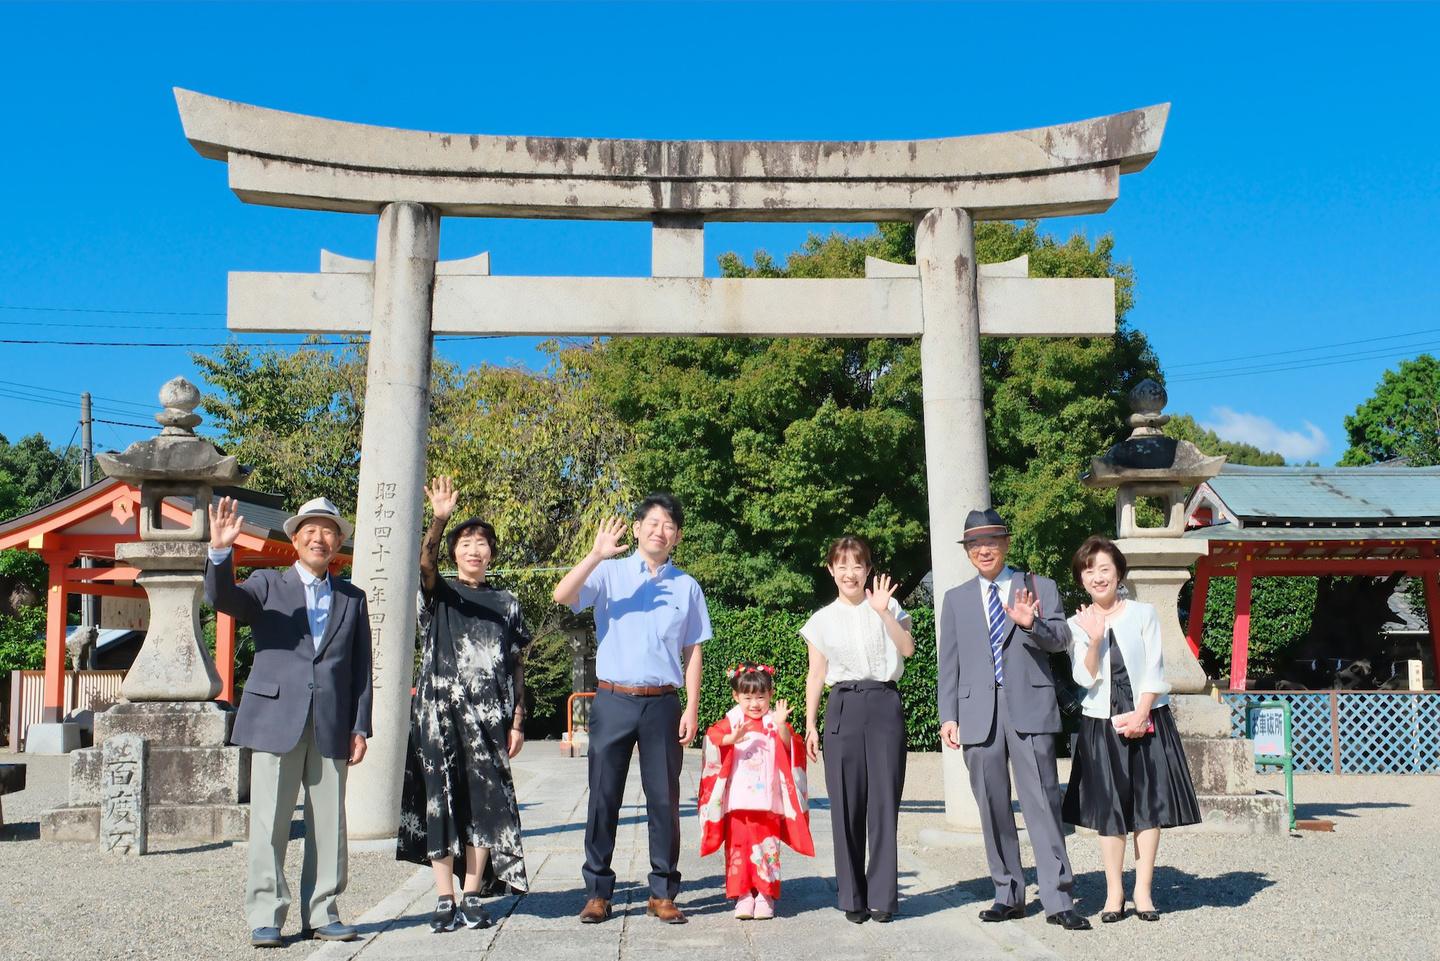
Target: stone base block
x: 167, y: 723
x: 1242, y: 814
x: 168, y: 822
x: 178, y: 775
x: 1220, y: 765
x: 1199, y: 715
x: 59, y: 737
x: 576, y: 744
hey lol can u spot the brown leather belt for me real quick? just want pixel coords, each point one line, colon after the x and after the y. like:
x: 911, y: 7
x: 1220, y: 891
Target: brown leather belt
x: 637, y: 691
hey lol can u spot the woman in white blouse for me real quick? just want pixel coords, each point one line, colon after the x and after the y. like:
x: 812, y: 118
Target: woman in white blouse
x: 857, y: 647
x: 1129, y: 774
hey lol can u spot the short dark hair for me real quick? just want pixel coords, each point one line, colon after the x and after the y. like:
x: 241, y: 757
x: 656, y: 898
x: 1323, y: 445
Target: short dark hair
x: 669, y: 503
x: 1095, y: 544
x: 849, y: 544
x: 751, y: 678
x: 472, y: 524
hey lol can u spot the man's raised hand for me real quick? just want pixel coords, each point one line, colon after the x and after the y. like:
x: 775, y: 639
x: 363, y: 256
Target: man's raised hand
x: 608, y: 539
x: 225, y: 523
x: 1026, y: 609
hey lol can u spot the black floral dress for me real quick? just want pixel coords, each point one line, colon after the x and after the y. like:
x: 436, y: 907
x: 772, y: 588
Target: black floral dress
x: 458, y: 790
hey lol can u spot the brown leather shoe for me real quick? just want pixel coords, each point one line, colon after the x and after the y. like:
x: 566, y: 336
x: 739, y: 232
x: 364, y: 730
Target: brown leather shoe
x: 596, y: 910
x: 665, y: 910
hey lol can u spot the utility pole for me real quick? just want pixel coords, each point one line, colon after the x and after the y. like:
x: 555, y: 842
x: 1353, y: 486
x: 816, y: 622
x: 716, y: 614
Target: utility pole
x: 89, y: 603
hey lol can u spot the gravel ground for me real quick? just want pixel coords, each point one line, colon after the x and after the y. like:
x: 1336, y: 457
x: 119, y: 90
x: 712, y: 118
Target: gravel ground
x: 71, y: 902
x: 1306, y: 895
x: 1364, y: 891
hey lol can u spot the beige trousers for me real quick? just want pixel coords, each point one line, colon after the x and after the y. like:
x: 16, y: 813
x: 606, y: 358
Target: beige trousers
x: 275, y: 781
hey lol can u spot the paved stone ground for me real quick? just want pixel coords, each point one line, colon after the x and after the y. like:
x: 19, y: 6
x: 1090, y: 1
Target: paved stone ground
x: 1364, y: 891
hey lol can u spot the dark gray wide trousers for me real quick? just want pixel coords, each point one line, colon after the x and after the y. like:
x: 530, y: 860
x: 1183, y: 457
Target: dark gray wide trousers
x: 865, y: 774
x: 617, y: 723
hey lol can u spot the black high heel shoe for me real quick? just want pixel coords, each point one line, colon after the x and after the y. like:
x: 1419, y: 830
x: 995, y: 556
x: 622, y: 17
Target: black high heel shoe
x: 1110, y: 917
x: 1151, y: 915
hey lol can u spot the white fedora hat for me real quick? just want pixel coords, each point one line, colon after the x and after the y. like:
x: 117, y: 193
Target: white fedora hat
x: 320, y: 508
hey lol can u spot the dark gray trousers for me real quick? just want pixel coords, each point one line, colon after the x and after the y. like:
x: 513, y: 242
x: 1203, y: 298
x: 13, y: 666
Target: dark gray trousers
x: 865, y: 774
x: 1032, y: 758
x: 617, y: 723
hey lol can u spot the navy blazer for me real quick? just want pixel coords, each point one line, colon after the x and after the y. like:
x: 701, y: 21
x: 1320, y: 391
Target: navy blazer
x: 290, y: 674
x: 966, y: 682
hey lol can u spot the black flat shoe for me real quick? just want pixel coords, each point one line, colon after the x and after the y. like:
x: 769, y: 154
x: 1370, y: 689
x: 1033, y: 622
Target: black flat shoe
x: 859, y: 917
x: 1110, y: 917
x: 877, y: 915
x: 1068, y: 920
x: 1003, y: 912
x: 1151, y: 915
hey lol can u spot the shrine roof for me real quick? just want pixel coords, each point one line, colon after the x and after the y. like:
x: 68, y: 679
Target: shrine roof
x: 1260, y: 503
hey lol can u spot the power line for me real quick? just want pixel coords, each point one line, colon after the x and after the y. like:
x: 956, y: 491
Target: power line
x: 102, y: 310
x: 1282, y: 367
x: 144, y: 408
x: 1302, y: 350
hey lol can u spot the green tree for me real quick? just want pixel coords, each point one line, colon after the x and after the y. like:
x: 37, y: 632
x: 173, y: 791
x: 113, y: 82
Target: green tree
x: 1281, y: 609
x: 534, y: 454
x: 777, y: 446
x: 1402, y: 419
x: 1184, y: 427
x: 293, y: 415
x: 42, y: 473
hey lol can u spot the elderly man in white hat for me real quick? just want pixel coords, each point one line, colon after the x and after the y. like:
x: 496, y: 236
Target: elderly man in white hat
x: 305, y: 713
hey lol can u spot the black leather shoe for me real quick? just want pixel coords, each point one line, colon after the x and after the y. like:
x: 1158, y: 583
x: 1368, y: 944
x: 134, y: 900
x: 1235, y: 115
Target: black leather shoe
x: 1151, y: 915
x: 1003, y: 912
x: 882, y: 916
x: 1110, y: 917
x: 858, y: 917
x: 1068, y: 920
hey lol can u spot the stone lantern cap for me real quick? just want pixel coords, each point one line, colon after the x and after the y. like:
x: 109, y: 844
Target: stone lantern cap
x: 1147, y: 455
x: 177, y: 454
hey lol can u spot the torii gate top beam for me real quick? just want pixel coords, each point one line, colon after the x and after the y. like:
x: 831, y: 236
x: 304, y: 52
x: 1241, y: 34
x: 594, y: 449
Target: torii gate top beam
x: 284, y: 159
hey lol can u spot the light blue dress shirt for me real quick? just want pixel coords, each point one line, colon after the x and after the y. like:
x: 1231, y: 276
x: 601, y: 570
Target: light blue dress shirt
x: 643, y: 623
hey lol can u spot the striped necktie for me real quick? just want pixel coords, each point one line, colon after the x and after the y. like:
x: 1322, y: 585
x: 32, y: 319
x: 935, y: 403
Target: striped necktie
x: 997, y: 631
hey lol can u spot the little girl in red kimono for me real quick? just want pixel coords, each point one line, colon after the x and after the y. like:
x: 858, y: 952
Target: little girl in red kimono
x: 753, y: 792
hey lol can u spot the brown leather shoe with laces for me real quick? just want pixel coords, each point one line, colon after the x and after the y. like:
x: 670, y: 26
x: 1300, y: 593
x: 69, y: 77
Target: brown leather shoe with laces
x: 595, y: 911
x: 665, y: 910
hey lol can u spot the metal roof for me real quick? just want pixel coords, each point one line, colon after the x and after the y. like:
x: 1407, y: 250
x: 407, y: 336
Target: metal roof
x: 1337, y: 497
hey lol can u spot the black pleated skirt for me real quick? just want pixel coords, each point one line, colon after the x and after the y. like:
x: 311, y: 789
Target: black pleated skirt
x: 1120, y: 785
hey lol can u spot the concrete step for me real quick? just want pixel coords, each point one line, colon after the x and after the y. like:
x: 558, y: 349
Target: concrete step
x: 164, y: 822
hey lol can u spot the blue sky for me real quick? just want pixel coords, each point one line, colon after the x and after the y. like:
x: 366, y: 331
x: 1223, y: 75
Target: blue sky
x: 1283, y: 240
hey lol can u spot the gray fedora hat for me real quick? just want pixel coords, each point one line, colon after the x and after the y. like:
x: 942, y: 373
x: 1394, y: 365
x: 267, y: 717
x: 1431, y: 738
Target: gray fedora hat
x: 322, y: 509
x: 986, y: 523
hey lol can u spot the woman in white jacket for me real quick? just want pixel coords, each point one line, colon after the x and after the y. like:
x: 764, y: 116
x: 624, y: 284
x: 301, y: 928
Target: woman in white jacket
x: 1129, y: 774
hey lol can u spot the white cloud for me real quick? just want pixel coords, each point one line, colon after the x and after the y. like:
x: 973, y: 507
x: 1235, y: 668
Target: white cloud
x: 1265, y: 434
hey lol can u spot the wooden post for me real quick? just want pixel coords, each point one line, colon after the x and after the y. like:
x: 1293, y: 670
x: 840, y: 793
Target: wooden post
x: 56, y: 598
x: 1431, y: 578
x: 1240, y: 646
x: 1195, y: 624
x: 225, y: 656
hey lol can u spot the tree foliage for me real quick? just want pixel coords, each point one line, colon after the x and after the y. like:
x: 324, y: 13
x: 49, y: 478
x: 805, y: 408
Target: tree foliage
x: 32, y: 475
x: 294, y: 416
x: 1281, y: 611
x: 777, y: 446
x: 534, y: 454
x: 1402, y: 418
x: 1184, y: 427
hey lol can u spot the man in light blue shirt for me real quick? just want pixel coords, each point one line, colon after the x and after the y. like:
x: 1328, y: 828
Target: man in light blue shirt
x: 650, y: 620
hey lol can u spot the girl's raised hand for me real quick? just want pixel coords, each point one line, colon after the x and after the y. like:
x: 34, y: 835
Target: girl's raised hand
x: 781, y: 711
x: 443, y: 497
x: 879, y: 597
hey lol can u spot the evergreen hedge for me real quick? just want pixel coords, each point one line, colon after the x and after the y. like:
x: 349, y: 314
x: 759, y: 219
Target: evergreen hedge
x: 752, y: 634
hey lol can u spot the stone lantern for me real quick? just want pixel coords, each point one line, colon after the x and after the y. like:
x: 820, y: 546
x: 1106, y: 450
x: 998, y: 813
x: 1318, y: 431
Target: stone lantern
x: 1149, y: 464
x: 161, y: 767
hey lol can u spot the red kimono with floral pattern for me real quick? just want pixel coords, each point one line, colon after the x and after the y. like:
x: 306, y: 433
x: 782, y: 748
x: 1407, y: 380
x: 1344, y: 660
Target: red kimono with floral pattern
x: 752, y: 838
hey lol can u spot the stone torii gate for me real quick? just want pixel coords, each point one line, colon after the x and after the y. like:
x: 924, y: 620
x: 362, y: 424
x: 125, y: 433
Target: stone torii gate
x: 401, y: 300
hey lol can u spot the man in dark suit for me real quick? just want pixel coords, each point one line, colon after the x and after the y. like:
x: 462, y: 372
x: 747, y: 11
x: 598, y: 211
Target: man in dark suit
x: 997, y: 700
x: 305, y: 713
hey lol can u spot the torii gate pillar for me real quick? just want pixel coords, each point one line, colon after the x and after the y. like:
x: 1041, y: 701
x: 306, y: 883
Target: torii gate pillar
x: 387, y: 565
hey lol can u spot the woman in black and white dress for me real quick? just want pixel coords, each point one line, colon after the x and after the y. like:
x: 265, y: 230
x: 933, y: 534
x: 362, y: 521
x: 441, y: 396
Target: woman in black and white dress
x: 857, y: 646
x: 458, y: 809
x: 1129, y: 774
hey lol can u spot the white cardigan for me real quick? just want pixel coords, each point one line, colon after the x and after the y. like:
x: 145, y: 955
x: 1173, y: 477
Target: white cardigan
x: 1137, y: 631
